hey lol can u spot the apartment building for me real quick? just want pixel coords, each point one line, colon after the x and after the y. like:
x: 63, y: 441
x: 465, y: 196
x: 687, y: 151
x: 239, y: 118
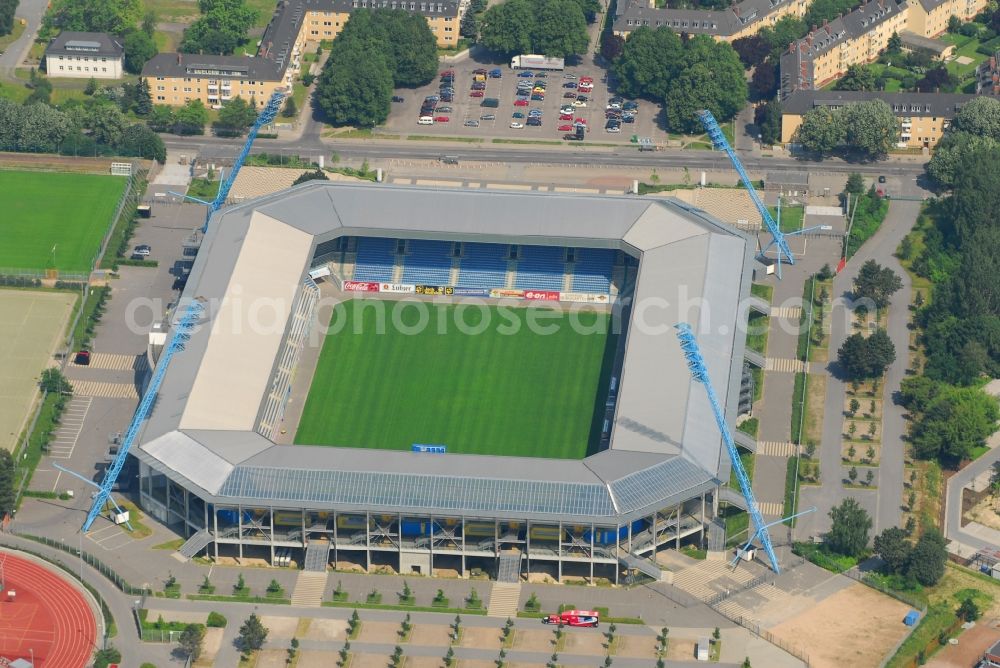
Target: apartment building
x: 176, y: 78
x: 856, y: 38
x: 324, y: 19
x: 923, y: 117
x: 84, y: 55
x: 988, y: 76
x: 742, y: 19
x: 929, y: 18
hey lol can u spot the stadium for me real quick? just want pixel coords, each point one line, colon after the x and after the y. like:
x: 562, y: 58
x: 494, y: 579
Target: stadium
x: 348, y: 393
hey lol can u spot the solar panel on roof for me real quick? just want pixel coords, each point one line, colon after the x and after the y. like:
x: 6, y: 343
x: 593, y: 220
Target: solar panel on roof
x: 82, y: 44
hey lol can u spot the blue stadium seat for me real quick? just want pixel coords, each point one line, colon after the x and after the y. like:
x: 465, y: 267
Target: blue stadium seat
x: 427, y: 262
x: 375, y: 260
x: 592, y: 271
x: 541, y: 268
x: 483, y: 266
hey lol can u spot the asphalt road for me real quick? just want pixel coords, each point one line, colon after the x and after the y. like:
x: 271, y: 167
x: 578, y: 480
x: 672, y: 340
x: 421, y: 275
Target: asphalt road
x: 31, y: 11
x: 627, y: 156
x: 953, y: 509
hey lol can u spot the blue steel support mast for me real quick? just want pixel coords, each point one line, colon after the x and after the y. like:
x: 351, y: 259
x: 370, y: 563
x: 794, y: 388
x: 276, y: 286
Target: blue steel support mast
x: 720, y: 142
x: 182, y: 332
x: 696, y: 364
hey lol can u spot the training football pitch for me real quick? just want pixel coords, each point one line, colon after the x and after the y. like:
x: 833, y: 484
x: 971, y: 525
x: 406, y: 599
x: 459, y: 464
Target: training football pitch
x: 526, y: 393
x: 44, y: 209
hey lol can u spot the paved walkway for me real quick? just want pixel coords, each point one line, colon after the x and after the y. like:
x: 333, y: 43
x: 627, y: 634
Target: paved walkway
x: 885, y: 500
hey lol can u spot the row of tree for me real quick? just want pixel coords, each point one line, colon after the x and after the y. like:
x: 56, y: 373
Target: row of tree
x: 686, y: 75
x: 221, y: 28
x: 553, y: 27
x: 867, y: 129
x: 948, y: 422
x: 376, y: 51
x: 976, y: 125
x: 117, y: 17
x: 7, y: 9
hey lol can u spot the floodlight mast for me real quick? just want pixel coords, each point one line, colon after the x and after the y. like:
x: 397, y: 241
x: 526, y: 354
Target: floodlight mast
x: 720, y: 142
x: 182, y: 332
x: 696, y: 365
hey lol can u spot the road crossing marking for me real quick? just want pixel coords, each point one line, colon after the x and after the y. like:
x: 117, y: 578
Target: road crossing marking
x: 788, y: 312
x: 784, y: 365
x: 70, y: 427
x: 119, y: 362
x: 89, y: 388
x: 775, y: 448
x: 772, y: 508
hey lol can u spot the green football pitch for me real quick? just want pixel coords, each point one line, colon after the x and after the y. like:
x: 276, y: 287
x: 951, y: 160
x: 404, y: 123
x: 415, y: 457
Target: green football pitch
x: 527, y: 393
x: 44, y: 209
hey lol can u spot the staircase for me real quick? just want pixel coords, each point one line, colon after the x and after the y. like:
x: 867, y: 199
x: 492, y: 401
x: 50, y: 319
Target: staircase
x: 317, y: 556
x: 503, y: 599
x: 309, y: 588
x: 509, y: 566
x: 195, y: 544
x: 641, y: 564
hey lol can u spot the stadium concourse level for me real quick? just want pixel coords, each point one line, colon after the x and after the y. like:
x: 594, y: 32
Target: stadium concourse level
x: 479, y: 265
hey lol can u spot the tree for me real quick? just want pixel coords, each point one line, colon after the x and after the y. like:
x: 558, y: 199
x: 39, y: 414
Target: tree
x: 53, y: 380
x: 712, y: 79
x: 139, y: 48
x: 953, y: 423
x: 858, y: 77
x: 191, y: 118
x: 140, y: 140
x: 91, y: 86
x: 937, y: 80
x: 893, y: 548
x: 821, y: 11
x: 8, y: 493
x: 764, y: 82
x: 871, y: 128
x: 235, y: 117
x: 980, y: 117
x: 785, y: 31
x: 507, y: 27
x: 849, y: 532
x: 412, y: 45
x: 746, y: 663
x: 161, y: 119
x: 191, y: 640
x: 954, y: 149
x: 290, y: 109
x: 252, y: 634
x: 612, y: 46
x: 767, y: 118
x: 852, y: 474
x: 869, y: 476
x: 928, y: 558
x: 822, y: 130
x: 560, y: 28
x: 752, y: 50
x: 648, y: 62
x: 954, y: 24
x: 345, y: 104
x: 876, y: 283
x: 222, y: 27
x: 968, y: 610
x: 7, y: 9
x: 862, y: 357
x: 853, y: 407
x: 469, y: 27
x: 107, y: 124
x: 143, y: 99
x: 112, y: 16
x: 895, y: 44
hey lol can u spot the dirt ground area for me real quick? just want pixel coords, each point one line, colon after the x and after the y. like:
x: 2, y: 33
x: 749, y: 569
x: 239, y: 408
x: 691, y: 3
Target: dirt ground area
x: 481, y: 638
x: 585, y: 641
x: 271, y: 658
x: 436, y: 635
x: 313, y: 658
x: 423, y: 662
x: 359, y: 660
x: 639, y: 647
x: 984, y: 512
x: 62, y: 163
x: 681, y: 649
x: 326, y: 629
x: 210, y: 647
x: 280, y: 628
x: 970, y: 647
x: 534, y: 640
x: 856, y: 626
x: 349, y: 567
x: 379, y: 632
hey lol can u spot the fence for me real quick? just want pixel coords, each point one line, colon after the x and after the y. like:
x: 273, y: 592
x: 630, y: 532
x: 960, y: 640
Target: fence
x: 856, y: 574
x: 753, y: 627
x: 93, y: 562
x: 127, y: 203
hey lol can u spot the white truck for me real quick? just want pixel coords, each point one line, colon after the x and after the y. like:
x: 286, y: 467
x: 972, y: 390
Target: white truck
x: 536, y: 62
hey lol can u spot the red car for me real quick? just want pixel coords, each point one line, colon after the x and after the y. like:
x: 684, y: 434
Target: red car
x: 441, y: 119
x: 448, y: 73
x: 580, y: 121
x: 574, y: 618
x: 520, y: 103
x: 477, y: 93
x: 565, y: 117
x: 565, y: 128
x: 586, y: 80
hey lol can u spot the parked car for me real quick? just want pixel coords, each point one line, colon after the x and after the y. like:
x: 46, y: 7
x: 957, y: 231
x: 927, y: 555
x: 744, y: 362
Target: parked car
x: 472, y: 123
x: 517, y: 125
x: 566, y: 109
x: 526, y: 75
x: 541, y: 75
x: 517, y: 114
x: 447, y: 97
x: 521, y: 103
x: 425, y: 120
x: 432, y: 98
x: 477, y: 93
x: 565, y: 128
x: 82, y: 358
x: 535, y: 112
x: 397, y: 98
x: 565, y: 117
x: 441, y: 119
x: 583, y: 98
x: 569, y: 84
x: 535, y: 121
x: 569, y: 76
x: 580, y: 121
x: 480, y: 70
x: 443, y: 110
x: 538, y: 97
x: 478, y: 86
x: 579, y: 103
x: 491, y: 102
x: 142, y: 252
x: 496, y: 73
x: 587, y: 80
x: 628, y: 119
x: 631, y: 105
x: 488, y: 117
x: 569, y: 96
x: 448, y: 73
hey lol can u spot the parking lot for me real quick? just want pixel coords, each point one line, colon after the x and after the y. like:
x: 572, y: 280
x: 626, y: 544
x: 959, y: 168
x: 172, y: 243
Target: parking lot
x: 464, y: 107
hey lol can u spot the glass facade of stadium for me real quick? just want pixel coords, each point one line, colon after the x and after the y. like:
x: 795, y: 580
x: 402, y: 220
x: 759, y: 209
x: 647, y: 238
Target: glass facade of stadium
x: 425, y: 544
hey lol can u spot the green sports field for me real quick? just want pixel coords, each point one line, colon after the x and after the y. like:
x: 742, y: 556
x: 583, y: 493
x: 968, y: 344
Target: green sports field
x: 45, y: 209
x: 516, y: 394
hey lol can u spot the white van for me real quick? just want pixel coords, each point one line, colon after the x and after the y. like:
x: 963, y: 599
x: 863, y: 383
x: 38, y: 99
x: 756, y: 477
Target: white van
x: 425, y: 120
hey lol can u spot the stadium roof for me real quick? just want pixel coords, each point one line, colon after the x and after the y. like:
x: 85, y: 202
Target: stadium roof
x: 664, y: 447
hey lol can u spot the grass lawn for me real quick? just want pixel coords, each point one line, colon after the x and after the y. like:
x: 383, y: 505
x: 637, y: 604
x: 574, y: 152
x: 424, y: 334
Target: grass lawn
x: 7, y: 40
x: 757, y: 331
x: 45, y: 209
x: 791, y: 217
x: 505, y: 390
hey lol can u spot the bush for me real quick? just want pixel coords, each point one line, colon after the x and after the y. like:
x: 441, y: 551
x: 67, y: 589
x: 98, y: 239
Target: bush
x: 216, y: 620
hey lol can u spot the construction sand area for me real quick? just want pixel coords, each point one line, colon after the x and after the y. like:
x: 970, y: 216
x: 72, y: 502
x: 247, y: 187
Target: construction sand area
x: 855, y: 627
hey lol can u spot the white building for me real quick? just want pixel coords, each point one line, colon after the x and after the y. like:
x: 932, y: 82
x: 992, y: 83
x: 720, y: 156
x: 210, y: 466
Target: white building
x: 85, y: 54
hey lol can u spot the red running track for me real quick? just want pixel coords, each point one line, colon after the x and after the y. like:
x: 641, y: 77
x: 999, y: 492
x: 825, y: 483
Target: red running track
x: 48, y: 616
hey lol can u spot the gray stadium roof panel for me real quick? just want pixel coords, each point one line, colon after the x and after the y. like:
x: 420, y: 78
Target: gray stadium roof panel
x: 662, y: 426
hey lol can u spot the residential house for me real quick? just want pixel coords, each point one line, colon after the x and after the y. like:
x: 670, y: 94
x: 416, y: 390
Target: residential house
x: 84, y: 55
x: 742, y: 19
